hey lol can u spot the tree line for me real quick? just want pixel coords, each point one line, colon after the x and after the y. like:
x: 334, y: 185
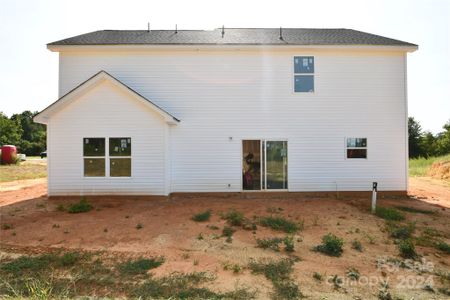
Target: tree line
x: 21, y: 131
x: 425, y: 143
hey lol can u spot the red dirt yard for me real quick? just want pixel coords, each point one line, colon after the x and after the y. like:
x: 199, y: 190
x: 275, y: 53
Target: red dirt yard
x: 167, y: 230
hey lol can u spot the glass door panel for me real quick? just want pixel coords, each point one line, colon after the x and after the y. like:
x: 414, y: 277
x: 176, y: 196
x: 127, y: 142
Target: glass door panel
x: 251, y: 165
x: 276, y: 165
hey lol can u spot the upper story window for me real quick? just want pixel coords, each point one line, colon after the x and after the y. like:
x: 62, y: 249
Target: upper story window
x: 356, y: 147
x: 303, y: 74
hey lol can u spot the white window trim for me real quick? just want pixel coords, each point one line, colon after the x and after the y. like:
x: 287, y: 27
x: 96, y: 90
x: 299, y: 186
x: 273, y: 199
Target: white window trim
x: 312, y: 74
x: 350, y: 148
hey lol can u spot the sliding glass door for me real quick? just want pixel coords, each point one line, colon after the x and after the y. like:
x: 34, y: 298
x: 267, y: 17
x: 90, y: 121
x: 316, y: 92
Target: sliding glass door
x: 276, y: 165
x: 264, y: 165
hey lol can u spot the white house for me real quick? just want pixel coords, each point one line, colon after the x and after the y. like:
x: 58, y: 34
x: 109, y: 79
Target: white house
x: 228, y: 110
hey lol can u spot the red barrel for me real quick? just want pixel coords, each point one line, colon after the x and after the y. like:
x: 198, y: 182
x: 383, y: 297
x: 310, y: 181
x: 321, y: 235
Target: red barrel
x: 9, y: 154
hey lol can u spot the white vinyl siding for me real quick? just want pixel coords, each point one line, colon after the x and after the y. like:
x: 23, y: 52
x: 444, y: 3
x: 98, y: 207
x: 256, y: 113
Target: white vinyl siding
x: 106, y: 111
x: 223, y: 97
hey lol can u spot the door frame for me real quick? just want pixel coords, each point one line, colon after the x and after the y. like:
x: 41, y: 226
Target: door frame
x: 261, y: 142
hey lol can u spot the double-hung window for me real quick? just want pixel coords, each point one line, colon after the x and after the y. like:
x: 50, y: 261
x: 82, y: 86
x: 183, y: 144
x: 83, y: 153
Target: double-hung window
x: 95, y: 157
x: 120, y: 157
x: 304, y: 74
x: 356, y: 147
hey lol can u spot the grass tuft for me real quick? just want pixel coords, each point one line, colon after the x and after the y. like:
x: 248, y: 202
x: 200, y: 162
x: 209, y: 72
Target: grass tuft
x: 407, y: 249
x: 357, y: 245
x: 279, y: 224
x: 443, y: 246
x: 234, y: 217
x: 401, y: 232
x: 388, y: 213
x: 80, y: 207
x: 140, y: 266
x: 331, y: 245
x: 202, y: 216
x: 278, y: 272
x: 270, y: 243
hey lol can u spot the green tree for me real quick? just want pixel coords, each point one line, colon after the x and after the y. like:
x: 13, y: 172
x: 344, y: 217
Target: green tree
x: 33, y: 138
x: 428, y: 144
x: 10, y: 131
x: 443, y: 140
x: 414, y: 137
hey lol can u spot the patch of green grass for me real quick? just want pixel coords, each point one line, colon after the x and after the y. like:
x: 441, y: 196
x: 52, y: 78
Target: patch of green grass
x: 401, y: 232
x: 234, y: 217
x: 185, y: 286
x: 22, y: 171
x: 202, y: 216
x: 227, y: 232
x: 140, y: 266
x: 289, y: 244
x: 415, y: 210
x: 270, y: 243
x: 357, y: 245
x: 331, y: 245
x: 69, y: 259
x: 278, y: 272
x: 420, y: 166
x: 388, y: 213
x: 279, y: 224
x: 236, y: 268
x: 80, y: 207
x: 443, y: 246
x: 406, y: 249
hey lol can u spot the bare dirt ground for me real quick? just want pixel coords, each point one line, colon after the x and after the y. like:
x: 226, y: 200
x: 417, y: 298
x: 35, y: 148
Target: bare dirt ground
x: 167, y: 229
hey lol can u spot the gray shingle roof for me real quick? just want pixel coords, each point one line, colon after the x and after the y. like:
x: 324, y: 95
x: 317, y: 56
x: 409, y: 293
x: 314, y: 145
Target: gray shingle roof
x: 232, y: 36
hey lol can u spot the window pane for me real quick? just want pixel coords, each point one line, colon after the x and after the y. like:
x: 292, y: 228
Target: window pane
x: 94, y: 147
x: 304, y: 83
x: 303, y: 64
x: 356, y: 142
x: 356, y: 153
x: 120, y: 146
x: 120, y: 167
x: 94, y: 167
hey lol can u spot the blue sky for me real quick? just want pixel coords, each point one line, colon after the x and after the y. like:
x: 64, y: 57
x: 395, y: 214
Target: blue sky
x: 28, y: 71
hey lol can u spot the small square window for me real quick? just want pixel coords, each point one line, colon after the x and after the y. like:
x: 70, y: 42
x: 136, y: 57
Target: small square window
x: 120, y: 146
x: 356, y: 147
x: 120, y: 167
x: 94, y: 167
x: 304, y: 83
x: 94, y: 147
x: 303, y: 64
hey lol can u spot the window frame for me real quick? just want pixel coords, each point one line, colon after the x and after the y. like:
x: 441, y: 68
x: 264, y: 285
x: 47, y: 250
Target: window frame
x: 83, y: 157
x: 350, y: 148
x: 313, y: 74
x: 107, y: 157
x: 120, y: 157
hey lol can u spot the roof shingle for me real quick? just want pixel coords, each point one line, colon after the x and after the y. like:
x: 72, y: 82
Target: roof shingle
x: 232, y: 36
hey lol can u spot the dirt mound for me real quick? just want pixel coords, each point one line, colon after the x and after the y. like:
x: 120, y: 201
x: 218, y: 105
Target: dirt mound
x: 440, y: 170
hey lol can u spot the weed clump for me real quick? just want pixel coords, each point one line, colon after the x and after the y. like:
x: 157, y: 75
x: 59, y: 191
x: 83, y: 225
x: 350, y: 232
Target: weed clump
x: 227, y: 232
x: 234, y: 217
x: 443, y: 246
x: 140, y: 266
x: 202, y: 216
x: 388, y: 213
x: 288, y: 244
x: 331, y: 245
x: 401, y: 232
x: 407, y: 249
x: 278, y: 272
x: 357, y: 245
x: 279, y: 224
x: 270, y: 243
x: 80, y: 207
